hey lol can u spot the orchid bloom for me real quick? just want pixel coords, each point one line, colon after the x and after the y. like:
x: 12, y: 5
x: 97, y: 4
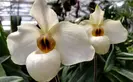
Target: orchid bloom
x: 43, y: 50
x: 102, y: 32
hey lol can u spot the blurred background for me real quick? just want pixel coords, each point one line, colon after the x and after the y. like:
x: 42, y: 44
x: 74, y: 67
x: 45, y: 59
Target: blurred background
x: 66, y: 9
x: 9, y: 8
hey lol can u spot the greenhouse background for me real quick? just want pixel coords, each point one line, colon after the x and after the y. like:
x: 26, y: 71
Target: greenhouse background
x: 114, y: 66
x: 15, y: 8
x: 22, y: 7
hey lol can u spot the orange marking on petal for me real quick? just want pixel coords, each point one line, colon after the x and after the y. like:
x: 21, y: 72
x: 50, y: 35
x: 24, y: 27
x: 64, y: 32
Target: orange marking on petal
x: 46, y: 43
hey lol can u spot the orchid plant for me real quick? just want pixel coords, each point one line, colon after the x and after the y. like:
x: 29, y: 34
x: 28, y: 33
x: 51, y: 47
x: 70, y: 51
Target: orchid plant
x: 102, y: 33
x: 43, y: 50
x: 72, y: 52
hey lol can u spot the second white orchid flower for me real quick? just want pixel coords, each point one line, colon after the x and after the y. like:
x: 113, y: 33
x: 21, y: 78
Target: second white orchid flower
x: 43, y: 50
x: 102, y: 32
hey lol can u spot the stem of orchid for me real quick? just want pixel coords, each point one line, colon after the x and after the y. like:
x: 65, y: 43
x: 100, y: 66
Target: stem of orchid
x: 78, y: 7
x: 58, y: 80
x: 102, y: 58
x: 43, y: 81
x: 95, y: 68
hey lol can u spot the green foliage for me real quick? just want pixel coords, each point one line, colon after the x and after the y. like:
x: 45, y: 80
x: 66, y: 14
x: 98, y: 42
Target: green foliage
x: 11, y: 79
x: 115, y: 66
x: 110, y: 61
x: 124, y: 72
x: 78, y: 73
x: 125, y: 56
x: 2, y: 72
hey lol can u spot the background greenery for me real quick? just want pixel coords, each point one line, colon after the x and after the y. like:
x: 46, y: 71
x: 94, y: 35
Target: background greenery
x: 115, y: 66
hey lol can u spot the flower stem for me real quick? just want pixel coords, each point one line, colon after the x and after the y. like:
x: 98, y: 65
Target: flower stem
x: 95, y: 68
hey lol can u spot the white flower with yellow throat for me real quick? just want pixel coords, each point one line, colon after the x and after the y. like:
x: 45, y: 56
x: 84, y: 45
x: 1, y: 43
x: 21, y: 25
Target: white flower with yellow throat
x: 102, y: 33
x: 43, y: 50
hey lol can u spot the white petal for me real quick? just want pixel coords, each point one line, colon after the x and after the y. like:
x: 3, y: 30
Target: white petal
x: 22, y: 42
x: 43, y: 67
x: 89, y: 29
x: 72, y: 43
x: 97, y: 16
x: 101, y: 44
x: 87, y: 26
x: 115, y: 31
x: 44, y: 15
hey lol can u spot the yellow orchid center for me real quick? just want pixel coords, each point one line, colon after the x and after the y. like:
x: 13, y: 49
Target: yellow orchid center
x: 46, y: 43
x: 98, y: 31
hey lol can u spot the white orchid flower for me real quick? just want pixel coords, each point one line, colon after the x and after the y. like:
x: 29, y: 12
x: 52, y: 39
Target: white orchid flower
x: 102, y: 32
x: 43, y: 50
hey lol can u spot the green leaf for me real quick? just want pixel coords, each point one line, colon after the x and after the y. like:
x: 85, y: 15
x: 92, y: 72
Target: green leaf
x: 125, y: 56
x: 11, y: 79
x: 2, y: 33
x: 122, y: 47
x: 2, y: 72
x: 124, y: 72
x: 82, y: 75
x: 12, y: 69
x: 110, y: 61
x: 111, y: 77
x: 82, y: 72
x: 87, y: 76
x: 119, y: 77
x: 4, y: 58
x: 66, y: 73
x: 3, y: 45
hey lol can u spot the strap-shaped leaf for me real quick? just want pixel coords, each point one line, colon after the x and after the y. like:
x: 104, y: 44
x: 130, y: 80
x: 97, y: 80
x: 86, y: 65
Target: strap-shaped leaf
x: 2, y: 72
x: 3, y: 44
x: 125, y: 56
x: 119, y: 77
x: 4, y: 58
x: 111, y: 77
x: 11, y: 79
x: 124, y: 72
x: 110, y: 61
x: 82, y: 72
